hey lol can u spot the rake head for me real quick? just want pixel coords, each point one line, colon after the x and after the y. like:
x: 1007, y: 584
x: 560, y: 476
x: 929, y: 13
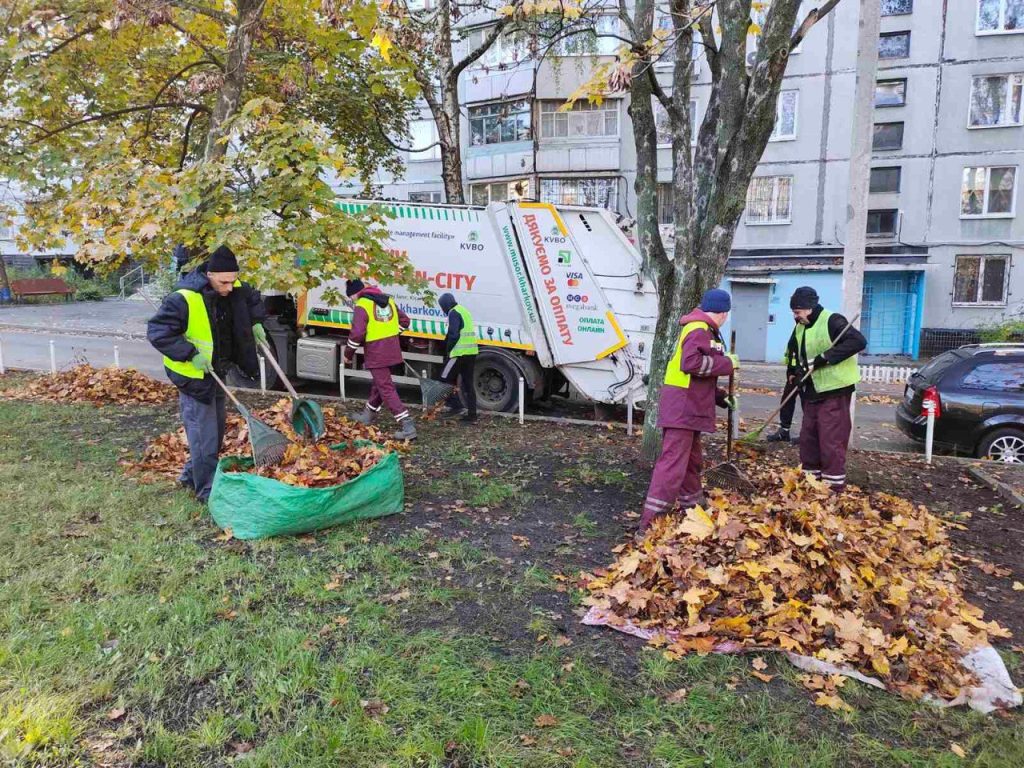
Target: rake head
x: 268, y: 445
x: 729, y: 477
x: 434, y: 392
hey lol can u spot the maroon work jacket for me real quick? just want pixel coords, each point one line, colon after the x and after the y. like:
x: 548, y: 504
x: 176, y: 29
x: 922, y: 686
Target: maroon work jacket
x: 382, y: 353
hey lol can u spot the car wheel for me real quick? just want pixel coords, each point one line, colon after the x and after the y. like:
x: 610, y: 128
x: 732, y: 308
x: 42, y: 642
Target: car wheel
x: 497, y: 383
x: 1005, y: 445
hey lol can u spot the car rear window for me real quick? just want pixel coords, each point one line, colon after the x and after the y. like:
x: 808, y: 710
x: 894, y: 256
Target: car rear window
x: 935, y: 367
x: 1001, y: 377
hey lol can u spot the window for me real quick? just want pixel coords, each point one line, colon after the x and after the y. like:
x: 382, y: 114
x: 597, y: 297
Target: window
x: 1003, y: 377
x: 882, y: 223
x: 594, y: 192
x: 988, y: 191
x: 423, y: 134
x: 980, y: 279
x: 509, y: 48
x: 758, y: 18
x: 887, y: 136
x: 890, y: 93
x: 666, y: 211
x: 897, y: 7
x: 594, y: 41
x: 768, y: 199
x: 894, y: 45
x: 584, y: 120
x: 996, y: 100
x: 1000, y: 16
x: 499, y: 122
x: 425, y: 197
x: 785, y: 116
x: 498, y: 191
x: 664, y: 130
x: 886, y: 179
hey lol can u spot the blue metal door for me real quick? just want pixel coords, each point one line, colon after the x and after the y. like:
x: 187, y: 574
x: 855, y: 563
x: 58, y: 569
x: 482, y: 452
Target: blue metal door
x: 888, y: 314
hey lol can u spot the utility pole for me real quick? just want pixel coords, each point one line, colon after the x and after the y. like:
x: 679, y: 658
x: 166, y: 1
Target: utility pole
x: 860, y: 157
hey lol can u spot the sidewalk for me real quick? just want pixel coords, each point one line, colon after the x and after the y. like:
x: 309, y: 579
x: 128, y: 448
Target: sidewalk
x: 773, y: 375
x: 111, y: 317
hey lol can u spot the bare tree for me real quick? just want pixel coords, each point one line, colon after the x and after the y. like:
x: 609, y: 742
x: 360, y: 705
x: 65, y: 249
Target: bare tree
x: 709, y: 184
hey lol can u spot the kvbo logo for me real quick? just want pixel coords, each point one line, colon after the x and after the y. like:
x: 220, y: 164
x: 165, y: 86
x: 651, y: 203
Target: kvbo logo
x: 577, y: 297
x: 472, y: 245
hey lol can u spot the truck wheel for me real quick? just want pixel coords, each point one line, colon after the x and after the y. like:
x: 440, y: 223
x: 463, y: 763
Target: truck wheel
x: 497, y: 383
x: 1006, y: 445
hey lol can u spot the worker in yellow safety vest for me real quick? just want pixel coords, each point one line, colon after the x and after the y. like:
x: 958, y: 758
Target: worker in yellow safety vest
x: 460, y: 351
x: 210, y: 322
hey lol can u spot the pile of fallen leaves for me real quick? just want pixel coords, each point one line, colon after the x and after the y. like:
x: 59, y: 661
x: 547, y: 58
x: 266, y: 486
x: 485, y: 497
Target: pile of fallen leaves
x: 317, y: 466
x: 166, y: 454
x: 100, y: 386
x: 865, y: 581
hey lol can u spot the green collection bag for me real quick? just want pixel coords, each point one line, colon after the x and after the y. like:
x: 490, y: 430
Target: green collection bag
x: 255, y: 507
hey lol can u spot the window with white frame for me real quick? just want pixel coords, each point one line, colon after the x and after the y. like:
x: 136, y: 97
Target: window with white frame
x: 584, y: 120
x: 500, y: 122
x: 426, y: 197
x: 664, y: 128
x: 599, y: 38
x: 785, y: 116
x: 1000, y: 17
x: 769, y: 200
x: 894, y: 45
x: 423, y: 134
x: 980, y: 279
x: 988, y: 192
x: 498, y: 191
x: 996, y: 100
x: 601, y: 192
x: 897, y: 7
x: 508, y: 49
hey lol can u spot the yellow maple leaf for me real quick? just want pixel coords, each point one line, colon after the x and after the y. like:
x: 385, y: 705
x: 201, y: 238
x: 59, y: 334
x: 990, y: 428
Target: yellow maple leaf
x: 382, y: 42
x: 698, y: 524
x: 630, y: 563
x: 880, y: 664
x: 832, y: 702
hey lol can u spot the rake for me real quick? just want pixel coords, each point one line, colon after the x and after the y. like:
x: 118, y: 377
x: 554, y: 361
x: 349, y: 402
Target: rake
x: 727, y: 474
x: 432, y: 392
x: 307, y: 416
x: 751, y: 437
x: 268, y: 445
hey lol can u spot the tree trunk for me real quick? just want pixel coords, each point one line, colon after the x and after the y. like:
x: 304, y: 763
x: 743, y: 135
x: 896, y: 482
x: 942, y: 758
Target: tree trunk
x: 229, y: 97
x: 448, y: 127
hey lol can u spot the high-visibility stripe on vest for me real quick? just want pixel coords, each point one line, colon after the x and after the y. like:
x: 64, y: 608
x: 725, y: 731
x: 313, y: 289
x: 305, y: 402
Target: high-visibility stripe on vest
x: 467, y: 342
x: 382, y: 322
x: 814, y: 341
x: 674, y: 375
x: 198, y: 332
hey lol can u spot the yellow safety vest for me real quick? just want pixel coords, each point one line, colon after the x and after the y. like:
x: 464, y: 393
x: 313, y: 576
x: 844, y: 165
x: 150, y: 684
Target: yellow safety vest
x: 467, y: 344
x: 674, y: 375
x: 382, y: 321
x: 814, y: 341
x: 198, y: 332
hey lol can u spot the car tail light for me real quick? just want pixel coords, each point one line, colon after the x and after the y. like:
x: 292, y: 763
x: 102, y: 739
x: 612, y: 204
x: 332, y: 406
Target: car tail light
x: 931, y: 395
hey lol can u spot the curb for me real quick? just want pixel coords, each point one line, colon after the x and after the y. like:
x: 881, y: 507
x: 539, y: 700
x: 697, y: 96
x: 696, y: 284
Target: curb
x: 71, y: 332
x: 1003, y: 489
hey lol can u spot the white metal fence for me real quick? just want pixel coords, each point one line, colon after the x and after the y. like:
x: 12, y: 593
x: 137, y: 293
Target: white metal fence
x: 886, y: 374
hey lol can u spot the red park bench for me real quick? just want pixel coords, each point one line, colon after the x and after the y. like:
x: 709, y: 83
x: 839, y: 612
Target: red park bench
x: 40, y: 286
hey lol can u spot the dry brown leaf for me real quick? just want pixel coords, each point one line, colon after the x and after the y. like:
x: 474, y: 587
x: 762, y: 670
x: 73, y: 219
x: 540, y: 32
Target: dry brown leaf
x: 759, y: 664
x: 374, y: 707
x: 832, y: 702
x: 115, y: 714
x: 957, y: 750
x: 762, y: 676
x: 676, y: 696
x: 545, y: 721
x: 1018, y: 587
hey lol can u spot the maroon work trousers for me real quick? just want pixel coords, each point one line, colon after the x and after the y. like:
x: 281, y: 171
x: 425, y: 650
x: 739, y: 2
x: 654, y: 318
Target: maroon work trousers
x: 676, y: 474
x: 824, y: 437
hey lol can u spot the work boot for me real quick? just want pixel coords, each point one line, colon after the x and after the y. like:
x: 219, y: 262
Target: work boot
x: 780, y: 436
x: 366, y: 417
x: 406, y: 430
x: 451, y: 413
x: 469, y: 418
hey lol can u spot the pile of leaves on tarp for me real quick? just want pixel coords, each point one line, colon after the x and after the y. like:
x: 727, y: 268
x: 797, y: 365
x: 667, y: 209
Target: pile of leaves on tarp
x: 99, y: 386
x: 857, y: 580
x: 166, y: 454
x: 317, y: 466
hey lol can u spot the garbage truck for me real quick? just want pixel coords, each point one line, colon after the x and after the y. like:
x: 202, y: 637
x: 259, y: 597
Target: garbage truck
x: 557, y: 294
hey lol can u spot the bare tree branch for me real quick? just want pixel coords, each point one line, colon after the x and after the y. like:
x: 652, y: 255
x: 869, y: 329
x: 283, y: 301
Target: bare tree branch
x: 481, y: 49
x: 119, y: 113
x: 199, y: 43
x: 185, y: 138
x: 813, y: 17
x: 164, y: 87
x: 205, y: 10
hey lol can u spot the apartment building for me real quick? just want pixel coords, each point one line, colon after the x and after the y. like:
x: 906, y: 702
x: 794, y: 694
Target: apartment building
x: 945, y: 238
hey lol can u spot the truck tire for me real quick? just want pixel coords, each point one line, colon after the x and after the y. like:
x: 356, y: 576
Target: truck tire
x: 497, y: 383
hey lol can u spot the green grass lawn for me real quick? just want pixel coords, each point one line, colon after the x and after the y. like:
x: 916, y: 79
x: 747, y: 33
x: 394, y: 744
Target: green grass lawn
x: 131, y: 635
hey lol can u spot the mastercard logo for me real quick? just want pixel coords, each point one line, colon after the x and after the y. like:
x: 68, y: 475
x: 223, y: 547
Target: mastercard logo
x: 573, y: 283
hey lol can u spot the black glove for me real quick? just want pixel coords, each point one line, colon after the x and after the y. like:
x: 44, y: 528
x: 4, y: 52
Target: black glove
x: 819, y: 362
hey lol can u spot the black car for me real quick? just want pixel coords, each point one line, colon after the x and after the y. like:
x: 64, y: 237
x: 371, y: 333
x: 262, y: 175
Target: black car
x: 978, y: 394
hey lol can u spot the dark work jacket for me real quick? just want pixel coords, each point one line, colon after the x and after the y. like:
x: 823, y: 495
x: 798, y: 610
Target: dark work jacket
x: 451, y: 338
x: 851, y: 344
x: 166, y: 331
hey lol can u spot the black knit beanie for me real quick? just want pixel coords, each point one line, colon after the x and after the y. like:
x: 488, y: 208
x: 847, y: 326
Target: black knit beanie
x: 804, y: 297
x: 222, y: 260
x: 352, y: 287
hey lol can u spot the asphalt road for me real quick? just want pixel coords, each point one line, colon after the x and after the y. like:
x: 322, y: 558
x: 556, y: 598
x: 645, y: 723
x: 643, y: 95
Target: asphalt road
x: 26, y: 349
